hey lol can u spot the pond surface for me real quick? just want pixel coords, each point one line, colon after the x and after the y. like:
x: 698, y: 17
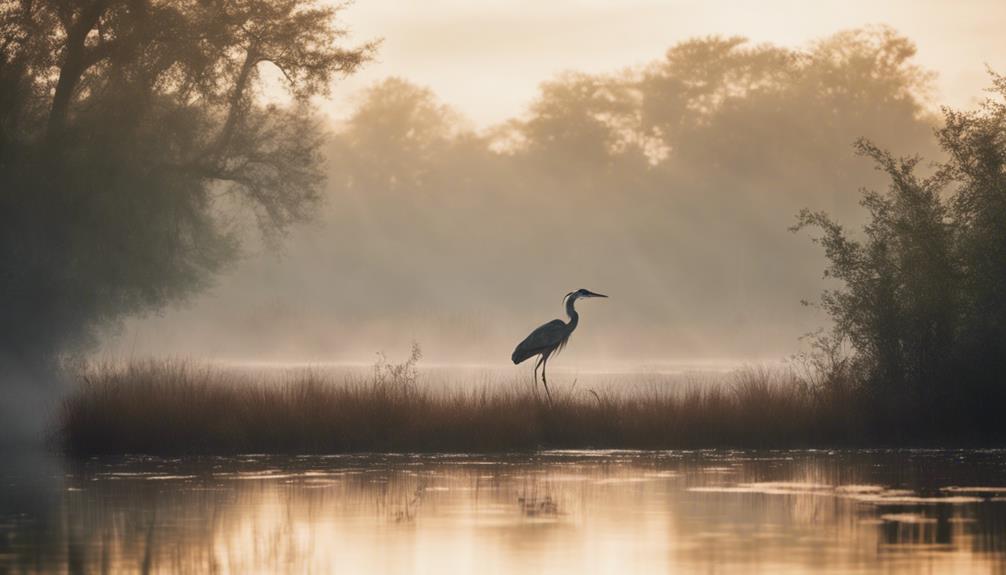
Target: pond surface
x: 552, y: 512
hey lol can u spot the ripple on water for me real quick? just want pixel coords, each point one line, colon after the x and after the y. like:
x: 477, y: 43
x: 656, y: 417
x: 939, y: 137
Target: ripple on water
x: 873, y: 494
x: 881, y: 511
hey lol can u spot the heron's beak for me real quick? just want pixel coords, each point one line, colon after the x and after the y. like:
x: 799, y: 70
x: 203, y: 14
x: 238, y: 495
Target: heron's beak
x: 592, y: 294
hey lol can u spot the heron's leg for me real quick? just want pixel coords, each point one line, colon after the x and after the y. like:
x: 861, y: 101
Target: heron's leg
x: 541, y: 359
x: 544, y: 360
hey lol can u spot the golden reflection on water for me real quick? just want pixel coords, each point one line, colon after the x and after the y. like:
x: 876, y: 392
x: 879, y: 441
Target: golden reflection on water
x: 571, y: 512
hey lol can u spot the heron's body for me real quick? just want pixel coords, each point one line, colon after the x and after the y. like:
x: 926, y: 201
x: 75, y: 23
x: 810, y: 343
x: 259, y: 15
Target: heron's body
x: 551, y: 337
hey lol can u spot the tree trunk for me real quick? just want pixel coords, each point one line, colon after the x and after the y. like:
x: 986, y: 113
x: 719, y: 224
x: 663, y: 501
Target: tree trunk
x: 74, y: 64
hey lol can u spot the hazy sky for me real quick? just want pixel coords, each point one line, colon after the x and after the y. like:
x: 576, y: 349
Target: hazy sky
x: 487, y: 57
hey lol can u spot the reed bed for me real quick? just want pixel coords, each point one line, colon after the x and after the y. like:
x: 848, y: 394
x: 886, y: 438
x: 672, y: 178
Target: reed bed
x: 178, y: 407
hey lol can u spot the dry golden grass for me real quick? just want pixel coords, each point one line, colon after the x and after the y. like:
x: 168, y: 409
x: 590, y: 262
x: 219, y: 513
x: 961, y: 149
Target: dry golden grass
x: 167, y: 407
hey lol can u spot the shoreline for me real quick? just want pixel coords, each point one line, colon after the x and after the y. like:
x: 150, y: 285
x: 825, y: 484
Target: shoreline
x: 182, y: 408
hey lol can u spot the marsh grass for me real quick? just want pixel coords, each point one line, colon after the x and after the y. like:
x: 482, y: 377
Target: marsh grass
x: 176, y: 407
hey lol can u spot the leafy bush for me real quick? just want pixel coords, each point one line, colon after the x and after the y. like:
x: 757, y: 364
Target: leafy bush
x: 922, y: 292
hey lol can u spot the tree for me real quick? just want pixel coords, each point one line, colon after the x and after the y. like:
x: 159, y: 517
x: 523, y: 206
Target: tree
x: 975, y: 142
x: 138, y: 139
x: 921, y: 296
x: 898, y: 296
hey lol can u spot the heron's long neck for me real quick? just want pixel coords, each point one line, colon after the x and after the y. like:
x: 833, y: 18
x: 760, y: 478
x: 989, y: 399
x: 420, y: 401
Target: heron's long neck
x: 574, y: 318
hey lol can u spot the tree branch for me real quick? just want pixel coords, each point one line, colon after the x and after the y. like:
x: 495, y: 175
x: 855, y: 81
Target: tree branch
x: 280, y: 68
x: 234, y: 105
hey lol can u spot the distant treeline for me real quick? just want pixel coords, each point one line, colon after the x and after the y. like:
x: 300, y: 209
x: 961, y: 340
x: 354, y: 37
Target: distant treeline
x: 671, y: 185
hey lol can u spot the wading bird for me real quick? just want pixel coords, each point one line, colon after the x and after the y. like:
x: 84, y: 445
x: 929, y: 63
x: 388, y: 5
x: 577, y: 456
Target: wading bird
x: 551, y: 337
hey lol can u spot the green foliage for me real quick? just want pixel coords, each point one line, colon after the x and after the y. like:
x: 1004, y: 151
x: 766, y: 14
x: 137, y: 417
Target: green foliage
x: 136, y: 141
x: 921, y: 293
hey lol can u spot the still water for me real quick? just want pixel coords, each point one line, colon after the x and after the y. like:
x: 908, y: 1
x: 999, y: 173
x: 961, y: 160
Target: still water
x: 551, y: 512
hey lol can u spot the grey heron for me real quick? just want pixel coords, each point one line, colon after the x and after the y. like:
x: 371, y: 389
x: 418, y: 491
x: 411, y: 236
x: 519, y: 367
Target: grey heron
x: 551, y: 337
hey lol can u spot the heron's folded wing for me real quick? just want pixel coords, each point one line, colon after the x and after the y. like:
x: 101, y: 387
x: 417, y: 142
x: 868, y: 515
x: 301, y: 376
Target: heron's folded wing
x: 540, y: 340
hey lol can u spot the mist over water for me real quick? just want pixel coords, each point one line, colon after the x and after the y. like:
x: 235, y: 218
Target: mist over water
x: 670, y: 187
x: 609, y: 379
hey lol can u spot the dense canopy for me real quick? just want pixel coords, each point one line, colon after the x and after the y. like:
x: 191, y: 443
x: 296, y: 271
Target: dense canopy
x: 137, y: 139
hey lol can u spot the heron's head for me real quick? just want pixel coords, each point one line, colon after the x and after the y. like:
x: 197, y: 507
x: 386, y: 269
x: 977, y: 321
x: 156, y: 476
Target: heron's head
x: 582, y: 293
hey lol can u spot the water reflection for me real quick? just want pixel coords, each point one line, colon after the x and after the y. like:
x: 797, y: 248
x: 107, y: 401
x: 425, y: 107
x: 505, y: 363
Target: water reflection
x: 569, y: 512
